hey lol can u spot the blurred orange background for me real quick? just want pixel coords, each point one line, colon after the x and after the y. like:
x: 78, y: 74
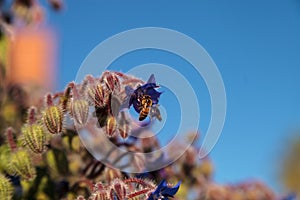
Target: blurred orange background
x: 32, y: 58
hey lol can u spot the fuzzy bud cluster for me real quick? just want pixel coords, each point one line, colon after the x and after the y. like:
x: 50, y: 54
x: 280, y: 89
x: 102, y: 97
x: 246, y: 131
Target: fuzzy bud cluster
x: 131, y: 188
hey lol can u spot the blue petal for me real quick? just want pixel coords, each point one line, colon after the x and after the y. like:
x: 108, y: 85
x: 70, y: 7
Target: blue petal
x: 164, y: 191
x: 150, y: 198
x: 170, y: 191
x: 148, y: 85
x: 129, y: 90
x: 151, y: 79
x: 161, y: 185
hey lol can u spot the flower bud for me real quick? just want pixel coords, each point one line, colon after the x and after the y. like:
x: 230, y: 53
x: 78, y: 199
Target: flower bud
x: 49, y: 99
x: 111, y: 126
x: 21, y: 165
x: 65, y: 99
x: 10, y: 139
x: 112, y: 174
x: 123, y: 125
x: 155, y: 112
x: 98, y: 186
x: 6, y: 188
x: 53, y: 119
x: 111, y: 81
x: 124, y: 130
x: 118, y: 188
x: 31, y: 115
x: 99, y: 195
x: 80, y: 111
x: 34, y: 137
x: 5, y: 156
x: 97, y: 95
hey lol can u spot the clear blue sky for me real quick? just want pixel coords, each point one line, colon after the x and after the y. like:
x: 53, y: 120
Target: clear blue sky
x: 255, y: 44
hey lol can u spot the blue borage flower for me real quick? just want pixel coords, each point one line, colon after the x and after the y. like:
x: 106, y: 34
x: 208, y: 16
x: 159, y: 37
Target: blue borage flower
x: 163, y: 191
x: 146, y: 89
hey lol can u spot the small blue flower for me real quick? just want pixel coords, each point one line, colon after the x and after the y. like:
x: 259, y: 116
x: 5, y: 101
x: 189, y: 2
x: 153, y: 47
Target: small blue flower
x: 146, y: 89
x: 163, y: 192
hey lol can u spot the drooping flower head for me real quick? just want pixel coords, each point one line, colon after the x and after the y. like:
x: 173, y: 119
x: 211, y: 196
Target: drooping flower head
x: 163, y: 191
x: 146, y: 89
